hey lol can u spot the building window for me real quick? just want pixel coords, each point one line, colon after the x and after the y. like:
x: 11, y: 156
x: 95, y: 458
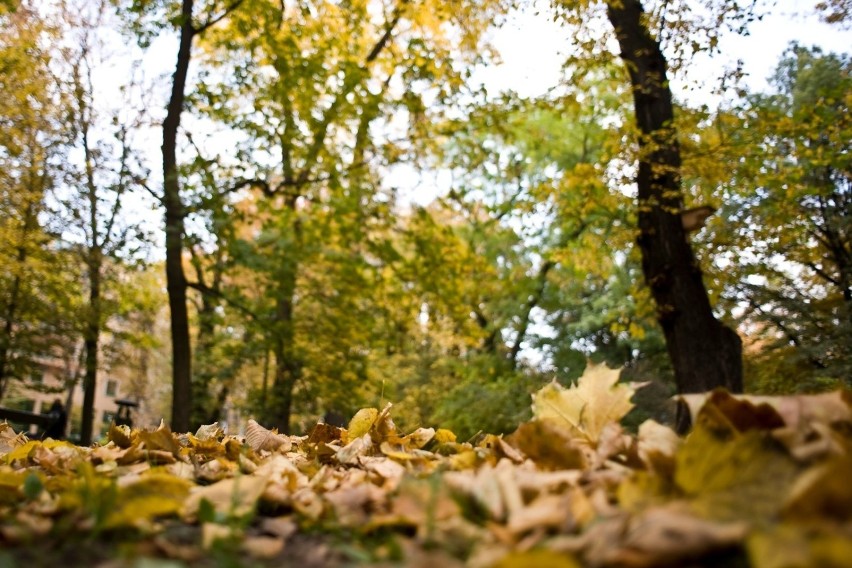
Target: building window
x: 111, y: 387
x: 108, y: 418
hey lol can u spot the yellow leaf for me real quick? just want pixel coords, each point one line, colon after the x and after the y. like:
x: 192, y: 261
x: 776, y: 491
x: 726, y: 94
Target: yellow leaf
x: 787, y: 546
x: 587, y: 407
x: 418, y: 438
x: 443, y: 436
x: 11, y: 486
x: 22, y: 452
x: 362, y: 422
x: 209, y: 432
x: 548, y: 444
x: 153, y: 495
x: 120, y: 435
x: 539, y: 559
x: 160, y: 439
x: 734, y: 476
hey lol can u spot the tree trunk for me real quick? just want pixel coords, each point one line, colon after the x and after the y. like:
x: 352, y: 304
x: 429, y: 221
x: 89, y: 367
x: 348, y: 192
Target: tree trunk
x: 705, y: 354
x: 91, y: 341
x: 287, y: 366
x: 174, y: 227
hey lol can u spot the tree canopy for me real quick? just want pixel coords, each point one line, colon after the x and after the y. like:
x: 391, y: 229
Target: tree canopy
x: 304, y: 280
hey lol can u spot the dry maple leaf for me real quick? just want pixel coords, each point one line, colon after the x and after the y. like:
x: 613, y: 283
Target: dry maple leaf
x: 587, y: 407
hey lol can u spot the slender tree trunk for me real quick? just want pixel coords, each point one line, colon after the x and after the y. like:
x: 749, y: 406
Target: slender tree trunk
x: 91, y: 341
x: 705, y: 354
x: 526, y: 317
x: 174, y: 227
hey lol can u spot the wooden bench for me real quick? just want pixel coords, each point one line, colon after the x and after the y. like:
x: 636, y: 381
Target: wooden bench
x: 43, y: 421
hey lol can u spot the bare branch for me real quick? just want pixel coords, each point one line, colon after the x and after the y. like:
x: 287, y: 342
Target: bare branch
x: 213, y: 21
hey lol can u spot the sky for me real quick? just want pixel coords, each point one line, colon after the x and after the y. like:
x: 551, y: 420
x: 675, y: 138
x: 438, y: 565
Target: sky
x: 533, y: 47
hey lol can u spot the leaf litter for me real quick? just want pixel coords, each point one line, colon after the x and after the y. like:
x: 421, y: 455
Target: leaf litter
x: 759, y: 481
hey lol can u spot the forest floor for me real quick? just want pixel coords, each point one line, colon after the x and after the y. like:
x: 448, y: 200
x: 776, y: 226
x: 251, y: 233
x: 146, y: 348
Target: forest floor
x: 759, y: 482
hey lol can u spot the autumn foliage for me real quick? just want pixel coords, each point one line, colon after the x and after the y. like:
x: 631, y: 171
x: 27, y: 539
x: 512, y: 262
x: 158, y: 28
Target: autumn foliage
x: 759, y: 481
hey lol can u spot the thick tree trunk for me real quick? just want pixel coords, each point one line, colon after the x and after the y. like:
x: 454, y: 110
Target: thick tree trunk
x: 287, y: 366
x: 174, y: 227
x: 203, y: 399
x: 705, y: 354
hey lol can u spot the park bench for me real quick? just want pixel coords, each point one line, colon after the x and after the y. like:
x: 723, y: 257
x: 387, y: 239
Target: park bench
x: 43, y: 421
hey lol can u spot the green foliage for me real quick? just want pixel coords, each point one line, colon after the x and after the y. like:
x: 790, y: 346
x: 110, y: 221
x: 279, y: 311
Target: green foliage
x: 38, y: 287
x: 784, y: 222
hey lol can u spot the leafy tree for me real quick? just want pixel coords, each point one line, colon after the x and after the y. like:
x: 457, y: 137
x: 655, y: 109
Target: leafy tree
x: 37, y: 286
x: 704, y: 352
x: 95, y: 191
x: 148, y: 17
x: 306, y: 92
x: 787, y: 211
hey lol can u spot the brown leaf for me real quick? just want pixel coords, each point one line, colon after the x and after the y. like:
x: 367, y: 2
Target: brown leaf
x: 823, y: 492
x: 657, y: 446
x: 160, y: 439
x: 259, y: 438
x: 548, y: 444
x: 795, y: 410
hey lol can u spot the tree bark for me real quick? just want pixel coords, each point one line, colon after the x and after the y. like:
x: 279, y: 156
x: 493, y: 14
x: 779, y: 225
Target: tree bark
x: 91, y: 341
x: 705, y: 354
x: 287, y: 365
x: 174, y: 228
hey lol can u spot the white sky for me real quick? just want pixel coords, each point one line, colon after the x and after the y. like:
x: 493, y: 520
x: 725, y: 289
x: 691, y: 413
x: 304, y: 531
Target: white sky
x: 532, y: 48
x: 532, y: 45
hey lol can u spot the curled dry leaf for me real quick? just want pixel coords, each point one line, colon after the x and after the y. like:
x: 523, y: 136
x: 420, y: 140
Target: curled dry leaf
x: 209, y: 432
x: 259, y: 438
x: 418, y: 438
x: 795, y: 410
x: 358, y: 447
x: 161, y: 439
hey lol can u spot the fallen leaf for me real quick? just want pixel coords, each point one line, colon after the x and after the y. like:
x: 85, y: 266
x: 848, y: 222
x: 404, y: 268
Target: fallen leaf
x: 233, y: 497
x: 657, y: 446
x: 362, y: 422
x: 152, y: 495
x: 259, y: 438
x: 538, y: 559
x: 262, y: 547
x: 587, y: 407
x: 738, y: 476
x: 160, y: 439
x: 549, y: 444
x: 794, y: 546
